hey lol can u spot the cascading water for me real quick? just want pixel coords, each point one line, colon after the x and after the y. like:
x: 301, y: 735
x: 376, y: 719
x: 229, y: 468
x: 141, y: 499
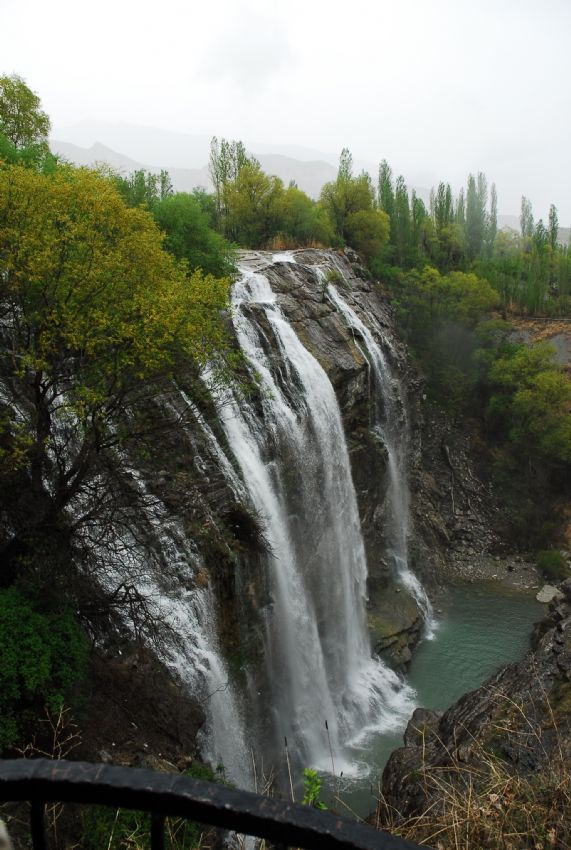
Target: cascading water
x: 390, y: 420
x: 291, y: 450
x: 189, y: 611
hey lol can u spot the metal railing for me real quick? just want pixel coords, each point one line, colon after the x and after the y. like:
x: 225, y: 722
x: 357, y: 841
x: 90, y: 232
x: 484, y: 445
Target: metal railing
x: 42, y: 781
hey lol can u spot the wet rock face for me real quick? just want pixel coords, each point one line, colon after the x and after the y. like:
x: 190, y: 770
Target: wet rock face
x: 522, y: 715
x: 456, y: 511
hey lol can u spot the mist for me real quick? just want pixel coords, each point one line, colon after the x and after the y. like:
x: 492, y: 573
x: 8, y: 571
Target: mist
x: 439, y: 89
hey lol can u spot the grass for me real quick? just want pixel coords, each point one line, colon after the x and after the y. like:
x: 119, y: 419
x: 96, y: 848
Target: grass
x: 482, y: 802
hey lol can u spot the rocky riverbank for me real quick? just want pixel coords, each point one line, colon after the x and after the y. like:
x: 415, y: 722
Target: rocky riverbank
x: 505, y: 745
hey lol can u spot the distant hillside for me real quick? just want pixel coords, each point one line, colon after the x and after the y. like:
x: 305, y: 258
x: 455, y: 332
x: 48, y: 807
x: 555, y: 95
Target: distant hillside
x: 97, y: 153
x: 511, y: 222
x: 309, y: 176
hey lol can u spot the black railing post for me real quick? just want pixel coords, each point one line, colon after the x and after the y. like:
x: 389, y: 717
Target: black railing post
x: 157, y: 831
x: 37, y: 824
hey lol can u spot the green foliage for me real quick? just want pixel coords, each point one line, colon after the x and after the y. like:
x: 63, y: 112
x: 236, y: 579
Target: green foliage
x: 300, y: 220
x: 125, y: 829
x: 531, y: 272
x: 427, y: 298
x: 530, y: 400
x: 36, y: 156
x: 476, y: 222
x: 367, y: 232
x: 22, y: 121
x: 143, y: 188
x: 312, y: 789
x: 251, y: 206
x: 552, y: 564
x: 189, y: 235
x: 226, y: 161
x: 43, y: 657
x: 90, y: 276
x: 24, y: 127
x: 439, y: 316
x: 349, y: 203
x: 98, y: 313
x: 254, y: 209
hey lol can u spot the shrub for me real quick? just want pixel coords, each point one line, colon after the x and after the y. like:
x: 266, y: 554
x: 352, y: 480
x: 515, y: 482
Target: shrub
x: 43, y: 656
x: 552, y: 564
x: 123, y: 829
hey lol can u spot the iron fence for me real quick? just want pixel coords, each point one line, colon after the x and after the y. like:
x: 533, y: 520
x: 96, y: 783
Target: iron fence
x: 163, y: 795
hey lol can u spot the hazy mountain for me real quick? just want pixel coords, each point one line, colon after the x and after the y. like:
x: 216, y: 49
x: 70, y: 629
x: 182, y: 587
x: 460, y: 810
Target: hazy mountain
x: 96, y: 153
x: 145, y: 144
x: 309, y: 176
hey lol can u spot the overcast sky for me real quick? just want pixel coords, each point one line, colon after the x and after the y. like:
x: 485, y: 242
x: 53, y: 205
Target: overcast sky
x: 437, y: 87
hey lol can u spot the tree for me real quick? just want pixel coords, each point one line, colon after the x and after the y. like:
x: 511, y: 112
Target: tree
x: 348, y: 195
x: 476, y: 221
x: 553, y: 227
x: 144, y: 187
x: 461, y: 209
x: 250, y: 202
x: 442, y: 206
x: 95, y: 314
x: 300, y: 220
x: 345, y: 170
x: 493, y: 221
x: 531, y: 399
x: 21, y: 118
x: 190, y: 237
x: 367, y: 232
x: 419, y: 221
x: 402, y: 223
x: 385, y: 191
x: 526, y: 218
x: 226, y: 162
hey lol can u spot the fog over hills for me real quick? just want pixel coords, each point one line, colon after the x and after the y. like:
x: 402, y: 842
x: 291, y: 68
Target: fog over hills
x: 184, y: 156
x: 128, y: 147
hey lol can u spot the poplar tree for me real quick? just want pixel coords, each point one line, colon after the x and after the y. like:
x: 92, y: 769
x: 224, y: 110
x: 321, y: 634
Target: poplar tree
x: 493, y: 220
x: 476, y: 200
x: 227, y: 159
x: 553, y: 227
x: 461, y: 209
x: 386, y: 194
x: 402, y: 222
x: 526, y: 218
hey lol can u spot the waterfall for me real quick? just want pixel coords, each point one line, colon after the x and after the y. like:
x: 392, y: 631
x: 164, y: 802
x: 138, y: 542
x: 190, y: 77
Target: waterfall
x: 391, y: 422
x: 173, y: 596
x: 290, y: 447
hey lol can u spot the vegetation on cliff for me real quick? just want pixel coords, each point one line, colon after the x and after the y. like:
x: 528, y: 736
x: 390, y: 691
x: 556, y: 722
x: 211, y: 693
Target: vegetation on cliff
x: 97, y: 317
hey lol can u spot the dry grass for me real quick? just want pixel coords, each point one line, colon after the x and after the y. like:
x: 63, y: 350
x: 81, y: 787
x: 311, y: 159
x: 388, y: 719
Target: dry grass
x: 481, y: 801
x: 282, y: 242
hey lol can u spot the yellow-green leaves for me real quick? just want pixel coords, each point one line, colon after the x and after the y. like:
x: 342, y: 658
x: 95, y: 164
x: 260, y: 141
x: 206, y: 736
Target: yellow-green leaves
x: 86, y: 281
